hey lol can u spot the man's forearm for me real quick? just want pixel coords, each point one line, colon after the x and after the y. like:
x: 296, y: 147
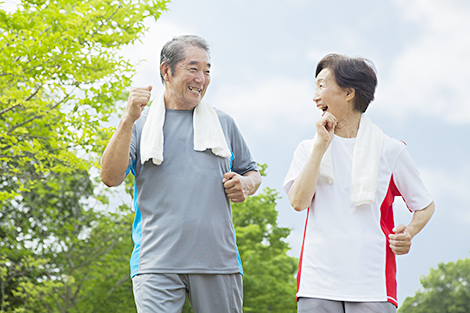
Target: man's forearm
x: 116, y: 155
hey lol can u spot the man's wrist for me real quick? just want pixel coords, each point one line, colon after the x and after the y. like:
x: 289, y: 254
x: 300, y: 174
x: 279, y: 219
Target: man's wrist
x: 250, y: 185
x: 126, y: 120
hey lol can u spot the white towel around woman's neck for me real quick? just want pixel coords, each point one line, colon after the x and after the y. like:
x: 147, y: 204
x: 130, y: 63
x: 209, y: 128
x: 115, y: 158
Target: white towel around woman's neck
x: 365, y: 163
x: 208, y: 133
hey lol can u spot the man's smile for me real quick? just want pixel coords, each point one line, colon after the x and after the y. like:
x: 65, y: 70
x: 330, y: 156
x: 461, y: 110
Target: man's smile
x: 195, y: 89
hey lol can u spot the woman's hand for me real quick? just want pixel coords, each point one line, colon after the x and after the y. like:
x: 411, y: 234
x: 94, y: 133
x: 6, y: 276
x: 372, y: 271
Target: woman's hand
x: 326, y: 128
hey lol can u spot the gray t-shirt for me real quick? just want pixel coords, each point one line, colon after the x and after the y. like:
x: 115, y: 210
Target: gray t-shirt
x: 183, y: 222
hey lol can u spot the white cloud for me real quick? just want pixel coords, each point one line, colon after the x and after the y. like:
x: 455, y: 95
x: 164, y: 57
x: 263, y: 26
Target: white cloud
x: 450, y: 191
x: 9, y: 5
x: 315, y: 55
x: 431, y: 75
x: 301, y: 3
x: 443, y: 183
x: 275, y: 104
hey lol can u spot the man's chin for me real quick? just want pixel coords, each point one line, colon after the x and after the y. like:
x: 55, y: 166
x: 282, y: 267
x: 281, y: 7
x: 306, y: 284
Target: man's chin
x: 195, y: 102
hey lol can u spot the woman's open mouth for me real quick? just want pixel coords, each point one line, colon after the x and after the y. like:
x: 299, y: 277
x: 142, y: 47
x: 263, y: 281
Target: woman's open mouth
x: 323, y: 107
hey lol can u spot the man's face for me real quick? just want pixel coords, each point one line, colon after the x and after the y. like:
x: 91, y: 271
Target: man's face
x: 188, y: 84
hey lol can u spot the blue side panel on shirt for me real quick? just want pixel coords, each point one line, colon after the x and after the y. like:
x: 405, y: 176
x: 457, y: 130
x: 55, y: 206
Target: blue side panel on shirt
x: 239, y: 260
x: 136, y: 229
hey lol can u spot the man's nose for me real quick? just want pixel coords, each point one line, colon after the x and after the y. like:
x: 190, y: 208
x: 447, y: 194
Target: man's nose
x: 200, y: 78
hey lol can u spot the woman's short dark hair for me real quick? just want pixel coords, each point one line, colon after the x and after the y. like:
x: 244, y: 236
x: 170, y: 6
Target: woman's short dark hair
x: 356, y: 73
x: 174, y: 50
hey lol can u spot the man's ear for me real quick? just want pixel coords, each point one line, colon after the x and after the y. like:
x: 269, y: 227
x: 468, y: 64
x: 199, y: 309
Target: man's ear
x: 350, y: 94
x: 166, y: 71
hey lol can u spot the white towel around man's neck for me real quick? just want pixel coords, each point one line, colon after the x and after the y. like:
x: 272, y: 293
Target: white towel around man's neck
x: 365, y: 163
x: 208, y: 133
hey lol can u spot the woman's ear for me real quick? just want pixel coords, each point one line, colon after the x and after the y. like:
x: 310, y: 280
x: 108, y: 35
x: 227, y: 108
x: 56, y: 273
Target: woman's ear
x: 350, y: 94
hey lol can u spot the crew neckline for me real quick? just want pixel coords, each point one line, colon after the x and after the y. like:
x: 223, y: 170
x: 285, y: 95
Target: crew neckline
x: 343, y: 138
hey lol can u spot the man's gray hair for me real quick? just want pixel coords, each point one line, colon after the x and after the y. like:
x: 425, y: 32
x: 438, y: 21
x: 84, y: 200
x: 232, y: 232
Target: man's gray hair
x: 174, y: 50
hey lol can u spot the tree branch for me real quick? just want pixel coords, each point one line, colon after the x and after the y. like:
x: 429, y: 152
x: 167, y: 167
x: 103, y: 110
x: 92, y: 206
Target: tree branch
x: 118, y: 283
x: 44, y: 303
x: 25, y: 122
x: 8, y: 109
x: 41, y: 115
x: 34, y: 93
x: 27, y: 99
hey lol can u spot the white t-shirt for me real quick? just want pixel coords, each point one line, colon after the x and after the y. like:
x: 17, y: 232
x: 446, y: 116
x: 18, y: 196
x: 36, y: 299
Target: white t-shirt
x: 345, y: 252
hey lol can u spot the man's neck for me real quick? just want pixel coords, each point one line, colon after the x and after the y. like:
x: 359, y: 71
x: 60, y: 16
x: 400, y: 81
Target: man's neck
x: 173, y: 103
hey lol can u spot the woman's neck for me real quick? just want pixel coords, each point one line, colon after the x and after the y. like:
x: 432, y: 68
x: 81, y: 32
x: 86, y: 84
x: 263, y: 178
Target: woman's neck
x: 348, y: 126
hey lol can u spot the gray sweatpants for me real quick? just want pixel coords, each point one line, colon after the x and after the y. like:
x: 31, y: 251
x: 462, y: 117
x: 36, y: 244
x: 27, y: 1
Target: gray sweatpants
x: 314, y: 305
x: 218, y: 293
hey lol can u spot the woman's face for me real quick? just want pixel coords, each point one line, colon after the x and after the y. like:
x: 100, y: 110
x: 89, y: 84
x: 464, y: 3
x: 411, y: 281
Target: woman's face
x: 330, y: 97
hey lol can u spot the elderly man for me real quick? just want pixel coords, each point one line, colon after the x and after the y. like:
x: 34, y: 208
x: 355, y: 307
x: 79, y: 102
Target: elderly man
x: 189, y: 160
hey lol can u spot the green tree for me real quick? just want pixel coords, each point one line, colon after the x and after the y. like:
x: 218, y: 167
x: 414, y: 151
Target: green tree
x: 445, y: 290
x: 71, y: 257
x: 60, y: 78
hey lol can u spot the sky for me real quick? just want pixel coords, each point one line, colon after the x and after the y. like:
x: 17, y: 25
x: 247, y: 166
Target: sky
x: 263, y: 56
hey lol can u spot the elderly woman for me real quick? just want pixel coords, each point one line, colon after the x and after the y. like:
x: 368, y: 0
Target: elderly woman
x: 347, y: 176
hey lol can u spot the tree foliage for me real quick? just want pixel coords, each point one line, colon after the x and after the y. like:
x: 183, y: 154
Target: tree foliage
x: 65, y: 253
x: 60, y: 78
x: 445, y: 289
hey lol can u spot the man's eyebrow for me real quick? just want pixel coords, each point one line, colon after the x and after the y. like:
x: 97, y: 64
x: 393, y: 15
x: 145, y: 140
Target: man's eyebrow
x: 193, y: 62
